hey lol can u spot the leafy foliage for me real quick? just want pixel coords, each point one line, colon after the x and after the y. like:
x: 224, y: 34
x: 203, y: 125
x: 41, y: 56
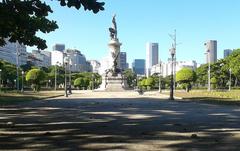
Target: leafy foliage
x: 185, y: 76
x: 35, y: 77
x: 220, y: 71
x: 8, y: 74
x: 59, y: 71
x: 21, y: 20
x: 87, y: 80
x: 131, y: 77
x: 146, y: 83
x: 79, y: 82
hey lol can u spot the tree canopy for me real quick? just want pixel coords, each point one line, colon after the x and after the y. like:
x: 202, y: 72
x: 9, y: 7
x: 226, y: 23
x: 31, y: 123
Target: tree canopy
x: 21, y: 20
x: 130, y: 77
x: 35, y: 77
x: 185, y: 76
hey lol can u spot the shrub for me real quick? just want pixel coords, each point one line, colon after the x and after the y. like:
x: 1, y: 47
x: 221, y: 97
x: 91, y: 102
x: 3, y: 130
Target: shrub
x: 35, y: 77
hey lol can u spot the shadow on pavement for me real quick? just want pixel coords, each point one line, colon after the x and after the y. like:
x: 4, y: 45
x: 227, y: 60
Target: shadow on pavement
x: 119, y: 124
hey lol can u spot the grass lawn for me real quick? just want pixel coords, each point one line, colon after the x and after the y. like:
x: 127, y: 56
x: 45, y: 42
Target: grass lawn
x: 13, y: 97
x: 224, y: 97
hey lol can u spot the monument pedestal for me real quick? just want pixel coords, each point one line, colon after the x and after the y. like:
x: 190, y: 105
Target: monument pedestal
x: 113, y: 80
x: 115, y: 83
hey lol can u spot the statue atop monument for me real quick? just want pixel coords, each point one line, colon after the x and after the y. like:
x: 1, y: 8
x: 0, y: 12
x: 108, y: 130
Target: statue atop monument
x: 113, y: 29
x: 113, y: 79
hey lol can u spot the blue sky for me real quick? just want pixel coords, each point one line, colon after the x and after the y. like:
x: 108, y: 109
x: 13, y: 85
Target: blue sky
x: 141, y: 21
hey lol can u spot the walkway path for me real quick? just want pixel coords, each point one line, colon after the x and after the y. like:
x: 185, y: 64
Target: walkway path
x: 101, y: 121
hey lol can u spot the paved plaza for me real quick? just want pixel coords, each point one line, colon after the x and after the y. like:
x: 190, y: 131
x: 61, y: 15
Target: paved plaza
x: 119, y: 121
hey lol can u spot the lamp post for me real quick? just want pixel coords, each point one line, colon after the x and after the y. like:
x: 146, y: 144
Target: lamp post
x: 49, y: 85
x: 70, y: 75
x: 55, y: 87
x: 65, y: 67
x: 92, y: 81
x: 160, y: 71
x: 17, y: 65
x: 0, y: 80
x: 172, y: 52
x: 136, y: 80
x: 22, y: 81
x: 230, y: 79
x: 15, y: 83
x: 209, y: 70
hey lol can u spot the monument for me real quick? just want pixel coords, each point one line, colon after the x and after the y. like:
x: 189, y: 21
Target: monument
x: 113, y: 79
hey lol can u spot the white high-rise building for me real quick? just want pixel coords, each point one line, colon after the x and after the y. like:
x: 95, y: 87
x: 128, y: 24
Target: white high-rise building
x: 211, y: 50
x: 9, y: 53
x: 166, y: 68
x: 57, y: 58
x: 151, y: 57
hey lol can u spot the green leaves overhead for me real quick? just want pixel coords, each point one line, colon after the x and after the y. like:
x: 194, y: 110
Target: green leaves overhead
x: 21, y: 20
x: 91, y: 5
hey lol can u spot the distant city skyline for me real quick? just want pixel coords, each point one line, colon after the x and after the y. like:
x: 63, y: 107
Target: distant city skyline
x: 211, y: 51
x: 152, y: 53
x: 194, y: 21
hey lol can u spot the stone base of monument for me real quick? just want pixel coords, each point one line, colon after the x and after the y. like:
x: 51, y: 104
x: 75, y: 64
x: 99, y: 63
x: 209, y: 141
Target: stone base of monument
x: 115, y: 83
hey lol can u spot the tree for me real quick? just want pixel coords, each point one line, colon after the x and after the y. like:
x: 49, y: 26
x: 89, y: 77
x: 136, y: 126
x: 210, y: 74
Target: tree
x: 60, y: 74
x: 201, y: 73
x: 143, y: 83
x: 35, y: 77
x: 79, y: 82
x: 8, y: 74
x: 234, y: 64
x: 28, y: 66
x: 131, y: 77
x: 86, y: 83
x: 149, y: 83
x: 213, y: 82
x: 21, y: 20
x: 185, y: 76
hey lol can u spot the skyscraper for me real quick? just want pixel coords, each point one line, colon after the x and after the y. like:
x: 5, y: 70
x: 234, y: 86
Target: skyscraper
x: 211, y: 50
x: 59, y: 47
x: 138, y: 66
x: 151, y: 56
x: 123, y: 60
x: 227, y: 52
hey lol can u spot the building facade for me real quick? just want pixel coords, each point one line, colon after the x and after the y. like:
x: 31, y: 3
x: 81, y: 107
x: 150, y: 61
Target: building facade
x: 227, y: 52
x: 138, y: 66
x: 57, y: 58
x: 40, y: 58
x: 59, y: 47
x: 123, y: 60
x: 165, y: 69
x: 10, y: 51
x: 78, y: 60
x: 151, y: 57
x: 211, y: 51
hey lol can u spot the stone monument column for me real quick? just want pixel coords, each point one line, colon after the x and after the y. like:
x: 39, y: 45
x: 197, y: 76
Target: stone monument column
x: 113, y: 79
x: 114, y: 48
